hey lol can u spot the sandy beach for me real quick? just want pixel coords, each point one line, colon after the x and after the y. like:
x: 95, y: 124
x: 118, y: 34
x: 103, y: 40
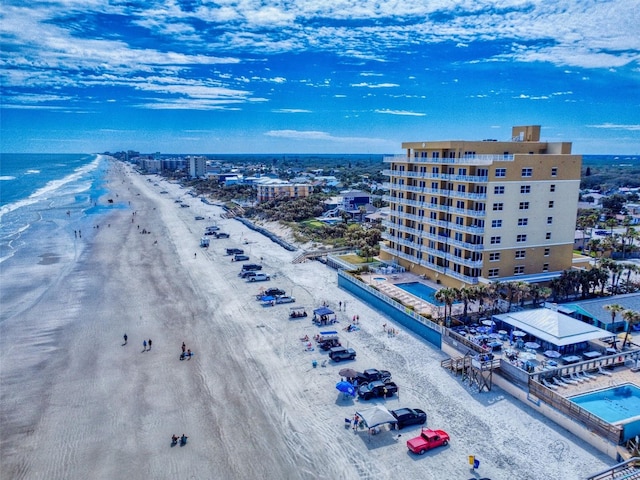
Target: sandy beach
x: 79, y: 403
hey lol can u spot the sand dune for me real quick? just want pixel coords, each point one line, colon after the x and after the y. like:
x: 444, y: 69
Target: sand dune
x: 77, y: 403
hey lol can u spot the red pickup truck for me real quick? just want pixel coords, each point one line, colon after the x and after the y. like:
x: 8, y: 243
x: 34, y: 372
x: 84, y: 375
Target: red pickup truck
x: 427, y: 440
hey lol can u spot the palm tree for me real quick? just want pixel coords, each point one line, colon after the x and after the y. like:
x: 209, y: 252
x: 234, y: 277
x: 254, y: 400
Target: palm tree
x: 466, y: 295
x: 481, y: 294
x: 446, y: 296
x: 614, y: 308
x: 630, y: 268
x: 632, y: 318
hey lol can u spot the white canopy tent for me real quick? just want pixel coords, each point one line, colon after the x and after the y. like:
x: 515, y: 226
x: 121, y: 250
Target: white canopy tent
x: 552, y: 326
x: 375, y: 416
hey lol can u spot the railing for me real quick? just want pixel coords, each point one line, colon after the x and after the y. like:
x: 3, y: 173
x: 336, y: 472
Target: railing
x: 433, y: 251
x: 487, y: 159
x: 613, y: 433
x: 629, y: 470
x: 438, y: 191
x: 397, y: 305
x: 445, y: 271
x: 439, y: 176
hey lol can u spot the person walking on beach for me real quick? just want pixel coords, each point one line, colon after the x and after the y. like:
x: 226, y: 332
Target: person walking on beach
x: 125, y: 338
x: 144, y: 344
x: 149, y: 344
x: 184, y: 347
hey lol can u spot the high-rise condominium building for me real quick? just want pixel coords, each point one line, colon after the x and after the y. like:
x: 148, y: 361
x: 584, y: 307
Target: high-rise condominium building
x: 464, y: 212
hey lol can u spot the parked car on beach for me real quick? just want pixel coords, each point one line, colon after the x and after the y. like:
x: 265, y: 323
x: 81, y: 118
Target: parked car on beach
x: 240, y: 258
x: 199, y: 217
x: 427, y: 440
x: 273, y: 292
x: 251, y: 266
x: 285, y: 299
x: 373, y: 374
x: 377, y: 389
x: 409, y: 416
x: 259, y: 277
x: 337, y: 354
x: 232, y: 251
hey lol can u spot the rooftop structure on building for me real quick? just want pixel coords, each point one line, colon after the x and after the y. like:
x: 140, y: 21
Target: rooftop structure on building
x: 468, y: 212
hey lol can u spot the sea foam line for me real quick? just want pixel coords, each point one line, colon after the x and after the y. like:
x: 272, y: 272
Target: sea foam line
x: 51, y: 186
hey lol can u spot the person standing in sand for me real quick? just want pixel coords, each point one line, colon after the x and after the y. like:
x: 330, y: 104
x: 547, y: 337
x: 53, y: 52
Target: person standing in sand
x: 125, y: 338
x: 184, y: 347
x: 149, y: 344
x: 144, y: 344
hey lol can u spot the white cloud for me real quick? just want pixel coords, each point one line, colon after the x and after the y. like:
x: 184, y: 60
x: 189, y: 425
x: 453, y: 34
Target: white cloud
x: 375, y: 85
x: 322, y: 136
x: 401, y: 112
x: 291, y: 110
x: 613, y: 126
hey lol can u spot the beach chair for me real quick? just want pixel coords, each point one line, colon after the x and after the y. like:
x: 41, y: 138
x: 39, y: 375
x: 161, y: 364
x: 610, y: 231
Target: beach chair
x: 574, y: 376
x: 583, y: 374
x: 604, y: 372
x: 568, y: 381
x: 548, y: 385
x: 588, y: 375
x: 557, y: 382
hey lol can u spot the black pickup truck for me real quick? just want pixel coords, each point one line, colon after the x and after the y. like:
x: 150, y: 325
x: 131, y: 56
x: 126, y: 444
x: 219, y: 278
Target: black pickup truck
x: 377, y: 389
x: 372, y: 375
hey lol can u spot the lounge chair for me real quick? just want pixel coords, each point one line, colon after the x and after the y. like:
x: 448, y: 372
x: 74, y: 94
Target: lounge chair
x: 568, y: 380
x: 574, y: 376
x: 548, y: 385
x: 585, y: 375
x: 557, y: 382
x: 604, y: 372
x: 588, y: 375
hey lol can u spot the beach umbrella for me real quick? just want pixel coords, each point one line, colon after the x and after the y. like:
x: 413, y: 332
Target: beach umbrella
x: 519, y: 333
x: 346, y: 387
x: 552, y: 354
x: 495, y: 335
x: 348, y: 373
x: 483, y: 329
x: 488, y: 323
x: 532, y: 345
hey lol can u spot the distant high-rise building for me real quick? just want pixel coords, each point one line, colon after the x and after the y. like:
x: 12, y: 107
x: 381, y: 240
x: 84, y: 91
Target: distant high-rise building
x: 197, y: 167
x: 463, y: 212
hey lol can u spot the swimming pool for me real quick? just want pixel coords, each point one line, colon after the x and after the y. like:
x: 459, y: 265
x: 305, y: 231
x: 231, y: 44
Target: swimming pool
x: 611, y: 404
x: 420, y: 290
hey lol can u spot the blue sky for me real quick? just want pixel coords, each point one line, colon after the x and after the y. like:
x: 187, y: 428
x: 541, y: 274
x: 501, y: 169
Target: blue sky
x: 316, y: 76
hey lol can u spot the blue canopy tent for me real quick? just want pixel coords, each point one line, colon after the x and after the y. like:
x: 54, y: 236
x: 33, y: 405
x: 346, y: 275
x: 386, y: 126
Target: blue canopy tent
x: 322, y: 311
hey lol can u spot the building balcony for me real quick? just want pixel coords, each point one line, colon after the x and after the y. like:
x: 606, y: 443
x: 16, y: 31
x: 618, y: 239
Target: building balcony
x: 472, y: 247
x: 441, y: 208
x: 445, y: 271
x: 437, y: 176
x: 433, y: 251
x: 435, y: 191
x: 481, y: 160
x: 440, y: 223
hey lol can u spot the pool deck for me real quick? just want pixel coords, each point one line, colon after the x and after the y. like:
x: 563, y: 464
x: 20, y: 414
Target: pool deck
x: 619, y: 376
x: 388, y: 287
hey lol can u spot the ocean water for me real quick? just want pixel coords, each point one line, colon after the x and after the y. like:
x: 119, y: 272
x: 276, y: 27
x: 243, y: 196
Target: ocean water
x: 44, y: 196
x: 50, y: 208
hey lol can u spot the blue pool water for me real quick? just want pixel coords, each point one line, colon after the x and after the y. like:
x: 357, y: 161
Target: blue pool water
x: 420, y: 290
x: 611, y: 404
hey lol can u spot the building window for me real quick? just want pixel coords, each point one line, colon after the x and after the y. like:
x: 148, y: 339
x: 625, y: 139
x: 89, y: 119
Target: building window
x: 458, y: 236
x: 551, y: 204
x: 527, y: 172
x: 548, y: 236
x: 433, y: 215
x: 498, y: 207
x: 518, y: 270
x: 496, y: 223
x: 462, y: 188
x: 498, y: 190
x: 552, y: 188
x: 547, y: 252
x: 493, y: 272
x: 524, y: 206
x: 549, y: 220
x: 521, y: 254
x: 494, y: 257
x: 521, y: 238
x: 523, y: 222
x: 459, y: 220
x: 496, y: 240
x: 525, y: 188
x: 554, y: 172
x: 501, y: 172
x: 435, y: 170
x: 462, y: 171
x: 545, y: 267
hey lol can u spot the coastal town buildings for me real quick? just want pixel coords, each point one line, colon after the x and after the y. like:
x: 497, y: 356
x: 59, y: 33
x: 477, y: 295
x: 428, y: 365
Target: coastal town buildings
x: 271, y: 189
x: 197, y: 166
x: 468, y: 212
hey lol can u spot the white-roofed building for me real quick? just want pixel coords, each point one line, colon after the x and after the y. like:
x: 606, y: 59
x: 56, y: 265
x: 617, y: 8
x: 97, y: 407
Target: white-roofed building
x: 551, y: 328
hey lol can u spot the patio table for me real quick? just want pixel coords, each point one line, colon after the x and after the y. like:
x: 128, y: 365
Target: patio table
x: 591, y: 354
x: 571, y: 359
